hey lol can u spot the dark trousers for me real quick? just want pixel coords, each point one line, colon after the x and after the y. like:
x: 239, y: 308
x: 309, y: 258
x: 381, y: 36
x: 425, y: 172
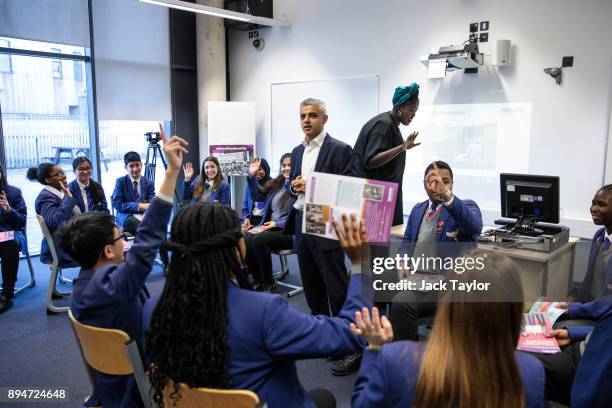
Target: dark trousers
x: 406, y: 308
x: 324, y: 275
x: 9, y: 254
x: 131, y: 224
x: 560, y: 369
x: 259, y: 253
x: 322, y: 398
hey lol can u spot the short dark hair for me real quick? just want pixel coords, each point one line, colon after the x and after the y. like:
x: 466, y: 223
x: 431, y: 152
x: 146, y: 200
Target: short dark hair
x: 131, y: 157
x: 441, y: 165
x: 79, y: 160
x: 84, y: 237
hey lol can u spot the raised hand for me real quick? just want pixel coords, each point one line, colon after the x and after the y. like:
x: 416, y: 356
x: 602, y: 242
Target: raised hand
x: 435, y: 182
x: 409, y: 142
x: 377, y: 330
x: 4, y: 204
x: 254, y: 165
x: 351, y: 237
x: 174, y: 149
x: 188, y: 171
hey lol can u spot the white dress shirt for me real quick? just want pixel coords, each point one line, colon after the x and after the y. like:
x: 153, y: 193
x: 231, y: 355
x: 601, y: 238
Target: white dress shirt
x: 309, y: 161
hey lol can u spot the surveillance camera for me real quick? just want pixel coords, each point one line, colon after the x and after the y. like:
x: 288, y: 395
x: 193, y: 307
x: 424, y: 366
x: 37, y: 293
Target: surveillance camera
x: 259, y: 44
x: 555, y: 73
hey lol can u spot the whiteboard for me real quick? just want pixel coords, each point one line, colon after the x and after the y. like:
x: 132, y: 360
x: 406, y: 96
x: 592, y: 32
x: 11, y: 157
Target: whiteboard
x: 231, y: 123
x: 351, y: 102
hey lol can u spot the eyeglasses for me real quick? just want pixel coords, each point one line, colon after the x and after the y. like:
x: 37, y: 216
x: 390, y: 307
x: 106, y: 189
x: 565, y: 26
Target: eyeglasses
x: 122, y: 236
x: 84, y: 170
x: 58, y: 174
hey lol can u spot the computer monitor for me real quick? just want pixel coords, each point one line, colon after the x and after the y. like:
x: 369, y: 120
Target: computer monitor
x: 525, y: 196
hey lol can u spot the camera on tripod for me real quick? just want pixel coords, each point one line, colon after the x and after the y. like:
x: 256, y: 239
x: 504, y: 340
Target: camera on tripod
x: 153, y: 137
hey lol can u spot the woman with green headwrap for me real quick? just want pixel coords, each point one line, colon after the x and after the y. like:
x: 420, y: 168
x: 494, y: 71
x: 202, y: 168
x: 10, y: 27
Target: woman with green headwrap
x: 380, y: 150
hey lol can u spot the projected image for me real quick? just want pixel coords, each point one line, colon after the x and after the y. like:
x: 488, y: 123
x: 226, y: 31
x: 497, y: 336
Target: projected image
x: 469, y: 147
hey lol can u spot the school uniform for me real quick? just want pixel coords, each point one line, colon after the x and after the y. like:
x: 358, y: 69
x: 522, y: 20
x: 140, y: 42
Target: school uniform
x: 321, y: 260
x: 56, y: 208
x: 433, y: 230
x: 84, y: 199
x: 598, y: 278
x: 113, y: 297
x: 220, y: 195
x: 265, y: 336
x: 127, y: 197
x: 14, y: 220
x: 276, y: 206
x: 253, y: 202
x: 388, y: 378
x: 580, y: 374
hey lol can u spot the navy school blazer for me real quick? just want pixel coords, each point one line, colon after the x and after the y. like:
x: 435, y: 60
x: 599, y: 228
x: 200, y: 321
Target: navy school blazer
x: 593, y: 377
x: 388, y: 378
x: 459, y: 222
x: 265, y: 336
x: 124, y: 200
x: 583, y: 291
x: 221, y: 195
x: 267, y: 205
x: 56, y: 212
x: 102, y: 205
x: 335, y: 157
x: 15, y: 220
x: 113, y: 297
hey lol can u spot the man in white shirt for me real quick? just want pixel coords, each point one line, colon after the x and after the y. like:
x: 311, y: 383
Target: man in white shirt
x: 322, y: 269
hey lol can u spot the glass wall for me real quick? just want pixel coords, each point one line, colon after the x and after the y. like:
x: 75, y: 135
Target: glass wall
x: 44, y: 116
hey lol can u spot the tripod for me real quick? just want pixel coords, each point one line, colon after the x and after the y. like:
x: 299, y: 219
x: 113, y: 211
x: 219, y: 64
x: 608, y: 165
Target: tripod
x: 153, y: 150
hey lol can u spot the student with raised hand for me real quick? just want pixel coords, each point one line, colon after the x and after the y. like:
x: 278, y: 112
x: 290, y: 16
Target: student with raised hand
x: 110, y: 290
x: 207, y: 331
x: 13, y: 215
x: 254, y: 197
x: 56, y: 204
x: 209, y: 186
x: 269, y: 234
x: 88, y: 193
x: 442, y: 226
x: 133, y: 193
x: 470, y: 359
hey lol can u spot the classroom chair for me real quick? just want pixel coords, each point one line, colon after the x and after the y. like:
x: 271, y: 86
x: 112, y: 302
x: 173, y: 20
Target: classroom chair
x: 208, y: 397
x: 111, y: 351
x: 26, y: 252
x: 52, y: 291
x: 282, y: 255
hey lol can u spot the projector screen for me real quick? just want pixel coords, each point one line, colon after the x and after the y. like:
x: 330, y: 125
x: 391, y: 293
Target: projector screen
x: 478, y: 141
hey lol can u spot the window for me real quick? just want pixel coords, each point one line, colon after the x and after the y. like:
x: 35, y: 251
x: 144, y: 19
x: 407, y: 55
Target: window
x: 6, y: 65
x: 57, y: 65
x: 78, y: 69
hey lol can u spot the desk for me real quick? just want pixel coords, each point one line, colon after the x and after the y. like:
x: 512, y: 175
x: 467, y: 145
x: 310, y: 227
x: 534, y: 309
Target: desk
x: 542, y: 273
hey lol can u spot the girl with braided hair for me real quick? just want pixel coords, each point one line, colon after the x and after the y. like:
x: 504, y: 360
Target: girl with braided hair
x: 207, y: 330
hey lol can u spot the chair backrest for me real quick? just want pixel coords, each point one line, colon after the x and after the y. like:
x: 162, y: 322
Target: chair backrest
x: 103, y: 349
x: 209, y: 397
x: 47, y: 234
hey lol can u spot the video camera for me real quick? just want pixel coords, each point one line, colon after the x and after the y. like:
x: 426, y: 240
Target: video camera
x: 153, y: 137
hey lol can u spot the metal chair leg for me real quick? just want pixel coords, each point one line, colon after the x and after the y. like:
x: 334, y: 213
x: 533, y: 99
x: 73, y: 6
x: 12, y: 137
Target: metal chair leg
x: 63, y: 279
x: 52, y: 290
x: 32, y: 281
